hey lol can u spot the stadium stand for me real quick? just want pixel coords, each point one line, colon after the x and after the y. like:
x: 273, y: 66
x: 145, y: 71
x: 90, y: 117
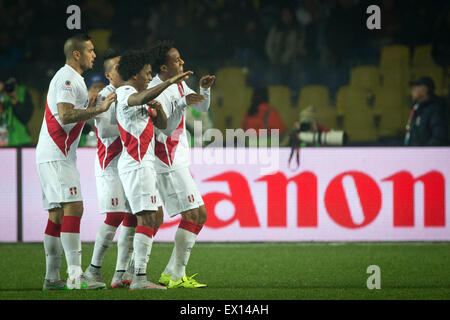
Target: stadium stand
x: 390, y: 105
x: 101, y: 39
x: 365, y: 77
x: 358, y: 117
x: 280, y: 99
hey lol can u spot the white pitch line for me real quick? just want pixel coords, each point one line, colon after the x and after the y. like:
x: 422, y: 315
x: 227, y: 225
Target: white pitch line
x: 261, y: 244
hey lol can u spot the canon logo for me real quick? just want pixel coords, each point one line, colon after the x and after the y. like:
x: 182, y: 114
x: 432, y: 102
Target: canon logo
x: 335, y: 199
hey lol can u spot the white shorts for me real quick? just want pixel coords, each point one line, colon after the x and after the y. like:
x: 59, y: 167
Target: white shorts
x: 60, y: 183
x: 140, y: 189
x: 178, y: 191
x: 111, y: 196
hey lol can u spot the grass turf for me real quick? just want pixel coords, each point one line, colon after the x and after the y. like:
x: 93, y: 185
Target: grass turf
x: 255, y: 271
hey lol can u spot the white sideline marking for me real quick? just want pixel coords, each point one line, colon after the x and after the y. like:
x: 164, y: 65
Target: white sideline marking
x: 259, y: 244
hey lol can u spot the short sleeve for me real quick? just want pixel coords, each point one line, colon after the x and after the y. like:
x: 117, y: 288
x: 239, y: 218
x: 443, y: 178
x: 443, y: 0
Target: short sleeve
x: 66, y: 90
x: 127, y: 92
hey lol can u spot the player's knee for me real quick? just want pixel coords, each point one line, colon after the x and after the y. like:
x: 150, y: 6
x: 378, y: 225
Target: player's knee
x: 129, y: 220
x: 114, y: 219
x: 56, y: 215
x: 73, y: 209
x: 197, y: 215
x: 148, y: 219
x: 202, y: 216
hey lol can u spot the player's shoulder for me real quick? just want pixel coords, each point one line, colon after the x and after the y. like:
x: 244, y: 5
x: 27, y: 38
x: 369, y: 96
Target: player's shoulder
x: 123, y: 92
x: 155, y: 81
x: 67, y: 77
x: 107, y: 90
x: 68, y: 72
x: 125, y: 89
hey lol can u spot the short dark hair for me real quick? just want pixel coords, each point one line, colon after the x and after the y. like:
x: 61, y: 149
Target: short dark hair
x: 159, y: 52
x: 132, y: 62
x: 75, y: 42
x: 110, y: 53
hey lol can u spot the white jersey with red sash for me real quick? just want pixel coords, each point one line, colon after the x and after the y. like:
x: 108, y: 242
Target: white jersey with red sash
x: 109, y: 145
x: 172, y: 152
x: 59, y: 141
x: 136, y: 132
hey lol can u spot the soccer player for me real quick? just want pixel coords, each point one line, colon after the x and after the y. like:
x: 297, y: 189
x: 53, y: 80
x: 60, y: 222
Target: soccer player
x: 111, y: 197
x: 66, y: 109
x: 135, y: 114
x: 174, y: 181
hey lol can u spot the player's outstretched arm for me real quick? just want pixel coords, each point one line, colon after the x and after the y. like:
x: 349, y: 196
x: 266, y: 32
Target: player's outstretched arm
x: 205, y: 84
x: 158, y: 115
x: 68, y: 114
x: 145, y: 96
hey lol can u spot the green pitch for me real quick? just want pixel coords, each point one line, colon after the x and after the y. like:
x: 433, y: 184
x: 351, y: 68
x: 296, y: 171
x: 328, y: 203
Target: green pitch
x: 256, y: 271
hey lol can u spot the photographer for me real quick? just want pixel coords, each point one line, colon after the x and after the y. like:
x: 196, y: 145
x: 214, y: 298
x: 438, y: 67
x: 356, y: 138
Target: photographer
x: 16, y: 109
x: 308, y: 123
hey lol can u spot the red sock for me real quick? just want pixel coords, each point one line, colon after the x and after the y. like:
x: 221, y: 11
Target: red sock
x: 149, y: 232
x: 190, y: 226
x: 71, y: 224
x: 129, y: 220
x: 53, y: 229
x: 114, y: 219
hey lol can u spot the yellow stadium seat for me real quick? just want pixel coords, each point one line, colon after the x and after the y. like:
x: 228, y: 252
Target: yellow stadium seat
x: 395, y: 55
x: 422, y: 56
x: 390, y: 104
x: 359, y: 121
x: 231, y: 78
x: 234, y: 106
x: 317, y: 96
x: 395, y: 67
x: 100, y: 39
x: 365, y: 77
x: 396, y: 76
x: 280, y: 99
x: 35, y: 123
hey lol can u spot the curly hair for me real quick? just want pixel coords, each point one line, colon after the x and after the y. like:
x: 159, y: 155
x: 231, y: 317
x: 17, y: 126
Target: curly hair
x: 132, y: 62
x: 159, y: 52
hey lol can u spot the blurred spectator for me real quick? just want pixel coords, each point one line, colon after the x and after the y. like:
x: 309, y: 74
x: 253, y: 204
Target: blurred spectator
x: 344, y: 32
x: 16, y: 109
x: 10, y: 53
x: 441, y: 39
x: 261, y: 115
x: 96, y: 83
x: 284, y: 41
x: 427, y: 123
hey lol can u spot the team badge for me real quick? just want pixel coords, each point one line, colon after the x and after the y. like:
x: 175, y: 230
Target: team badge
x: 191, y: 198
x: 115, y: 202
x: 73, y: 191
x: 67, y: 86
